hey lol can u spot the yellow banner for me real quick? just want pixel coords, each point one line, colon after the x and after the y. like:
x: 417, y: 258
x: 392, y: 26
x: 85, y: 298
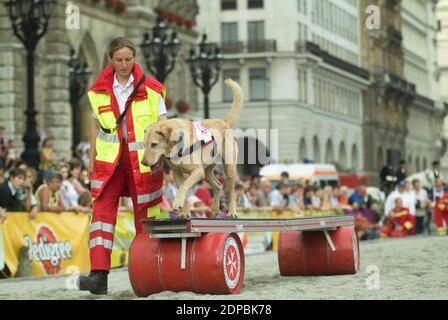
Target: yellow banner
x: 57, y: 243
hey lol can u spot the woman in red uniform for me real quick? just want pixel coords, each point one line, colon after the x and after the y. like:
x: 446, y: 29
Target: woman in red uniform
x: 441, y: 214
x: 124, y: 102
x: 400, y: 222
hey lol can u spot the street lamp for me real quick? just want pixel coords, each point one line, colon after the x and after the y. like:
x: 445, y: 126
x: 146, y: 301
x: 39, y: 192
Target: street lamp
x: 79, y: 74
x: 205, y: 65
x: 160, y: 50
x: 30, y: 21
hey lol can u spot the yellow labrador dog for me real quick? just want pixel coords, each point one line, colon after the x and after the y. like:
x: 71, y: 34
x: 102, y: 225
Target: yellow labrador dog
x: 192, y: 159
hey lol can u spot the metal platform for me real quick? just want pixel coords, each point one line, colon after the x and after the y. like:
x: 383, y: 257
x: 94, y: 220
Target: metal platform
x: 179, y: 228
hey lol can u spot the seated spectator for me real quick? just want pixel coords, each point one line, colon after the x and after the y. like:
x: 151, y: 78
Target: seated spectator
x: 203, y: 193
x: 252, y: 195
x: 326, y: 199
x: 307, y: 199
x: 9, y: 189
x: 198, y: 208
x: 297, y: 198
x: 71, y: 187
x: 317, y: 198
x: 336, y: 192
x: 170, y: 188
x: 263, y: 194
x: 343, y: 198
x: 85, y: 200
x: 284, y: 177
x: 280, y: 199
x: 224, y: 199
x: 365, y: 229
x: 400, y: 222
x: 83, y: 150
x: 48, y: 195
x: 400, y: 192
x: 85, y: 179
x: 25, y: 194
x: 165, y: 205
x: 360, y: 200
x: 242, y: 201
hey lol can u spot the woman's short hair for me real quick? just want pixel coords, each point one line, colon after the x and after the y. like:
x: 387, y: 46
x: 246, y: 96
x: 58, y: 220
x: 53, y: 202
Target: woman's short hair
x: 120, y: 43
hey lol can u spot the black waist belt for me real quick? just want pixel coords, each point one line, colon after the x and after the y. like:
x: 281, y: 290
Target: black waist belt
x: 109, y: 131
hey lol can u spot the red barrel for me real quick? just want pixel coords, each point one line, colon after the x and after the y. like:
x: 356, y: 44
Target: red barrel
x: 308, y: 253
x: 214, y: 264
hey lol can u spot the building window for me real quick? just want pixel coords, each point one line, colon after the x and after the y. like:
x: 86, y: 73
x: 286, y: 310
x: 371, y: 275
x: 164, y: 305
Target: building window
x: 234, y: 74
x: 257, y: 84
x: 256, y: 31
x: 301, y: 4
x: 229, y: 33
x: 256, y: 36
x: 255, y: 4
x: 228, y: 4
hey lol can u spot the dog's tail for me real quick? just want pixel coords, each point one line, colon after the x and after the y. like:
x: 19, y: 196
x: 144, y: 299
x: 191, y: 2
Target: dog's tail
x: 237, y: 101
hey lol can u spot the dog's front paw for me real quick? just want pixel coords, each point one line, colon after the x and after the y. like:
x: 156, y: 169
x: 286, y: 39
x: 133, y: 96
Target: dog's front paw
x: 183, y: 215
x: 231, y: 215
x: 177, y: 204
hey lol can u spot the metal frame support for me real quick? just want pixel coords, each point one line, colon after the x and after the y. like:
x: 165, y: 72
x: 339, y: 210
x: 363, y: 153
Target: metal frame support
x: 183, y: 253
x: 329, y: 241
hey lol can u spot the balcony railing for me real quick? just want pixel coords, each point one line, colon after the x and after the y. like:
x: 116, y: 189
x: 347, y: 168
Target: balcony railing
x: 249, y: 47
x: 261, y: 46
x: 314, y: 49
x: 232, y: 47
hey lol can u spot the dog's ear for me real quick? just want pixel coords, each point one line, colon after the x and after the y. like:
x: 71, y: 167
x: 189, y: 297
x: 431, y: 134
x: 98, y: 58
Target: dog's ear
x: 165, y: 131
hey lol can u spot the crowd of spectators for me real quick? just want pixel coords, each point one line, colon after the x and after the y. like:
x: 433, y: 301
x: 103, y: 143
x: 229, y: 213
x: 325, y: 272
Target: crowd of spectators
x: 58, y: 185
x: 63, y: 185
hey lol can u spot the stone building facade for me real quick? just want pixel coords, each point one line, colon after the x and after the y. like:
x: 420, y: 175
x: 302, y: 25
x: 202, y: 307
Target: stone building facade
x: 402, y: 109
x: 99, y: 22
x: 300, y: 72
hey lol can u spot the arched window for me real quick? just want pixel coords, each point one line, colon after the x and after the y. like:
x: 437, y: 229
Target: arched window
x: 329, y: 152
x: 355, y: 158
x: 343, y: 155
x: 316, y: 150
x: 303, y: 153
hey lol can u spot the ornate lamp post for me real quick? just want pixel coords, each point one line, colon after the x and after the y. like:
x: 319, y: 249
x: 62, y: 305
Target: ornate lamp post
x: 205, y: 66
x: 79, y: 78
x: 30, y: 21
x: 160, y: 51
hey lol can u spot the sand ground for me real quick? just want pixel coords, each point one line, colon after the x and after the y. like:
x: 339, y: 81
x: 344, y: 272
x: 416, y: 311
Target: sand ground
x: 410, y: 268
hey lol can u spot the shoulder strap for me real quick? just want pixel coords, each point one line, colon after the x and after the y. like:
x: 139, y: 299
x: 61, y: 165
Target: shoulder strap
x: 128, y: 102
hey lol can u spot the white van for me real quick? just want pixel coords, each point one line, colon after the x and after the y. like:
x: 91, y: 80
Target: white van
x: 317, y: 173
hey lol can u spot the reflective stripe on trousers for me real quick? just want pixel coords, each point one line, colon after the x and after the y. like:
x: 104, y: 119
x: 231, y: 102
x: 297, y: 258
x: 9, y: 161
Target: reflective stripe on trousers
x: 100, y: 241
x: 145, y: 198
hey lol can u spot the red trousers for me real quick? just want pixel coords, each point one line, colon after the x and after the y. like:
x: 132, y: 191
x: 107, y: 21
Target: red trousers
x: 439, y: 216
x: 105, y: 210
